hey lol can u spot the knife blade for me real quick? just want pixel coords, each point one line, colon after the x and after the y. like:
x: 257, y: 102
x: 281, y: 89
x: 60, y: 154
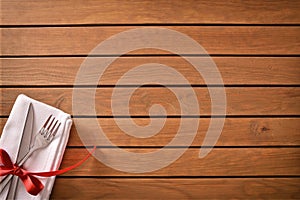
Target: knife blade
x: 26, y: 136
x: 24, y: 146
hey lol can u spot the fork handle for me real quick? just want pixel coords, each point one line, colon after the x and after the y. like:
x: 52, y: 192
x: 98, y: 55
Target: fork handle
x: 27, y: 155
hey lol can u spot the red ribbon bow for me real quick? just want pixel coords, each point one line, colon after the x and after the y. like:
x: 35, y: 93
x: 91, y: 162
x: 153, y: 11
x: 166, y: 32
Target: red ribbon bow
x: 32, y: 184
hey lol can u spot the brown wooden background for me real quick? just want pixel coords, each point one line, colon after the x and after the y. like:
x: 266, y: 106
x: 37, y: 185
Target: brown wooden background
x: 256, y: 46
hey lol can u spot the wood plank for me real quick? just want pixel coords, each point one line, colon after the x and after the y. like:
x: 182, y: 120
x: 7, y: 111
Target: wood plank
x: 219, y: 162
x: 234, y: 70
x: 147, y: 188
x: 112, y: 11
x: 236, y: 132
x: 240, y: 101
x: 216, y: 40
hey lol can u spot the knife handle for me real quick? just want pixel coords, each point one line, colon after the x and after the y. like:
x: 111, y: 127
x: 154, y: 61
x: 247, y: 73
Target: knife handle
x: 5, y: 181
x: 12, y: 188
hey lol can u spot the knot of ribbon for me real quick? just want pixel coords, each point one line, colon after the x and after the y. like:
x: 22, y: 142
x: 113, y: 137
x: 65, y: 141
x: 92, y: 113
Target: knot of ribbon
x: 18, y: 171
x: 32, y: 184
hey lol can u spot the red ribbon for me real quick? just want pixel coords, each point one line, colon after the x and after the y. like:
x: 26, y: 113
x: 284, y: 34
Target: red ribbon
x: 32, y: 184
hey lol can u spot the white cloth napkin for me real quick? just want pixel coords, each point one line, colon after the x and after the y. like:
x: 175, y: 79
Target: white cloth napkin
x: 46, y: 159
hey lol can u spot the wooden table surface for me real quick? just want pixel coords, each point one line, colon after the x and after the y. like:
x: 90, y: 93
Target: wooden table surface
x: 256, y: 46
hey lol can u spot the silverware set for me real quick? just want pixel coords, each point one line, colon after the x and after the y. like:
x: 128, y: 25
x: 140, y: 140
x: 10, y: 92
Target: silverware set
x: 41, y: 140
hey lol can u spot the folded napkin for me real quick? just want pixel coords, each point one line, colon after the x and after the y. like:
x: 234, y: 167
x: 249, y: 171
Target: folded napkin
x: 45, y: 159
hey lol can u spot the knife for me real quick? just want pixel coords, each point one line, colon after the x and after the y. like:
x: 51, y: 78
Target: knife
x: 24, y: 146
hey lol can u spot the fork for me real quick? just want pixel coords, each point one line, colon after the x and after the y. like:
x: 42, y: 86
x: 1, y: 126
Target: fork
x: 44, y: 137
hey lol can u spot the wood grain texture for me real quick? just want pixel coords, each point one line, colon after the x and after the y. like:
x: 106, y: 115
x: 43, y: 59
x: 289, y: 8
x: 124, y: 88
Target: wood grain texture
x: 236, y: 132
x: 215, y: 40
x: 43, y: 44
x: 234, y: 70
x: 219, y: 162
x: 221, y: 188
x: 17, y: 12
x: 240, y: 101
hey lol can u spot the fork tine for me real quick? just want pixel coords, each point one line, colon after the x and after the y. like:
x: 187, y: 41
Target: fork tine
x: 43, y: 130
x: 49, y: 126
x: 51, y: 130
x: 55, y: 131
x: 44, y: 126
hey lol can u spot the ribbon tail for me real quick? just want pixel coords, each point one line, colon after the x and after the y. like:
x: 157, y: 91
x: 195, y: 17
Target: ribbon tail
x: 32, y: 184
x: 58, y: 172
